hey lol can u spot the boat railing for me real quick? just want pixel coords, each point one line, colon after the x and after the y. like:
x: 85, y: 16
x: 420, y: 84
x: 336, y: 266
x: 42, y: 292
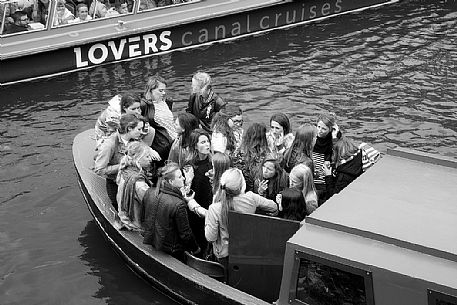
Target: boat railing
x: 50, y: 20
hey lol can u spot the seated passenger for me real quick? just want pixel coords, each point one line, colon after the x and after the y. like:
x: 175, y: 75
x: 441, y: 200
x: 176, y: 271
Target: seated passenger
x: 83, y: 13
x: 62, y: 15
x: 147, y: 4
x: 280, y: 136
x: 347, y: 160
x: 108, y: 121
x: 292, y: 205
x: 21, y: 22
x: 185, y: 123
x: 231, y: 196
x: 166, y: 220
x: 123, y: 8
x: 40, y: 12
x: 271, y: 179
x: 301, y: 178
x: 133, y: 183
x: 98, y: 8
x: 204, y: 103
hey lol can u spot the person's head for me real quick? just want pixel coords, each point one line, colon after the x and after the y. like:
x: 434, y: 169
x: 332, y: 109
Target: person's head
x: 60, y: 5
x: 279, y: 124
x: 201, y: 83
x: 199, y: 144
x: 235, y: 115
x: 293, y: 204
x: 270, y: 168
x: 83, y: 11
x: 221, y: 162
x: 138, y: 154
x: 171, y: 174
x: 185, y: 123
x: 254, y: 141
x: 130, y: 103
x: 343, y: 149
x: 325, y: 123
x: 305, y: 138
x: 131, y: 126
x: 301, y: 178
x: 20, y: 18
x: 220, y: 123
x: 155, y: 88
x: 123, y: 8
x: 232, y: 183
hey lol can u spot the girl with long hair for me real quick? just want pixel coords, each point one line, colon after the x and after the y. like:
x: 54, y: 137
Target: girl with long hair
x: 327, y: 133
x: 254, y: 149
x: 293, y: 204
x: 157, y: 109
x: 280, y: 136
x: 231, y: 195
x: 222, y: 137
x: 133, y: 183
x: 185, y: 123
x: 271, y: 179
x: 301, y: 150
x: 301, y: 178
x: 167, y: 224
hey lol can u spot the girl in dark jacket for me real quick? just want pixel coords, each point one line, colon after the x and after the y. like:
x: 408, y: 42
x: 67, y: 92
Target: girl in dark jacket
x: 271, y: 179
x: 167, y: 224
x: 347, y: 158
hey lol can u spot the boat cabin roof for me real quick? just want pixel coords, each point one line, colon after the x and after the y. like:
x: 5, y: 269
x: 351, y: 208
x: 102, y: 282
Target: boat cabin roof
x: 401, y: 215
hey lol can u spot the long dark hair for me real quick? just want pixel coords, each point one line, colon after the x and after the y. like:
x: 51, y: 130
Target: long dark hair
x: 293, y: 204
x: 189, y: 123
x: 221, y: 162
x: 192, y: 157
x: 302, y: 146
x: 254, y: 145
x: 220, y: 124
x: 343, y: 149
x: 276, y: 183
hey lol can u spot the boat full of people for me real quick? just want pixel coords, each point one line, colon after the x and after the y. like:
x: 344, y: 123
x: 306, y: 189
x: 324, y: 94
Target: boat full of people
x: 214, y: 212
x: 41, y: 38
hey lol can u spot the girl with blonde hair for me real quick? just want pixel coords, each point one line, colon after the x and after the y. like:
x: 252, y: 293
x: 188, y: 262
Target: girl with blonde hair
x: 133, y: 183
x: 301, y: 178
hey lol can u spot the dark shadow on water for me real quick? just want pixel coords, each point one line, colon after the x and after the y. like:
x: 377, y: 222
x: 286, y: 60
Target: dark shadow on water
x: 118, y: 284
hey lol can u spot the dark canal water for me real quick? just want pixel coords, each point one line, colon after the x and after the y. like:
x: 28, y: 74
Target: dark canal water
x: 389, y: 74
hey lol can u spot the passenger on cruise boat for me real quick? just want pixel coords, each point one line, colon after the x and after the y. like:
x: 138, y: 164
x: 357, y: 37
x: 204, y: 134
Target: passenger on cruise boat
x: 272, y: 179
x: 236, y: 123
x: 292, y: 205
x: 21, y: 22
x: 63, y: 15
x: 83, y: 13
x: 280, y: 135
x: 222, y: 136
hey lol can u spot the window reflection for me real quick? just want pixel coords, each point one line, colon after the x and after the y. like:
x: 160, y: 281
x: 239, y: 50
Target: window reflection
x: 319, y: 284
x: 19, y: 17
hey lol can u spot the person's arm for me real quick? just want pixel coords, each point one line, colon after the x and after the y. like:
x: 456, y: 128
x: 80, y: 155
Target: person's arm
x: 264, y: 204
x: 102, y: 160
x: 329, y: 180
x: 184, y: 230
x: 140, y: 188
x: 190, y: 104
x: 211, y: 224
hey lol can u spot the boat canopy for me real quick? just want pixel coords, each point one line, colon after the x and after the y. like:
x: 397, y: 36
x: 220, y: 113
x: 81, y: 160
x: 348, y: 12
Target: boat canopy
x: 388, y: 238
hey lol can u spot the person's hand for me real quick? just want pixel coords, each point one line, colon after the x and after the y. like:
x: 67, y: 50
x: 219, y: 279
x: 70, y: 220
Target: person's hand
x: 327, y: 169
x: 188, y: 197
x: 155, y: 155
x: 263, y: 186
x: 196, y: 252
x: 279, y: 200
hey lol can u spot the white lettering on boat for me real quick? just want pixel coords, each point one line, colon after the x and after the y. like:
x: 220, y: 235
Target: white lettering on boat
x: 145, y: 44
x: 126, y: 48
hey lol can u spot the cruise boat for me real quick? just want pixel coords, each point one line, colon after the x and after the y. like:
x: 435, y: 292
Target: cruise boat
x: 49, y: 42
x: 386, y: 239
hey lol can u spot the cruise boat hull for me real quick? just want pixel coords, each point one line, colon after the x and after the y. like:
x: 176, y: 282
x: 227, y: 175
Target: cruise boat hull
x: 82, y: 46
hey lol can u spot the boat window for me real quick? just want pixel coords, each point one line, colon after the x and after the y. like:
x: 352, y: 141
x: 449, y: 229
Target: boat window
x: 438, y: 298
x: 147, y: 5
x: 69, y: 12
x: 19, y: 17
x: 320, y: 281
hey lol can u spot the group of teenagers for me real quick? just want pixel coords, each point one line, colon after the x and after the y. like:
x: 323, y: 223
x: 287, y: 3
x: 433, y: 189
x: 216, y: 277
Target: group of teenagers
x: 175, y: 178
